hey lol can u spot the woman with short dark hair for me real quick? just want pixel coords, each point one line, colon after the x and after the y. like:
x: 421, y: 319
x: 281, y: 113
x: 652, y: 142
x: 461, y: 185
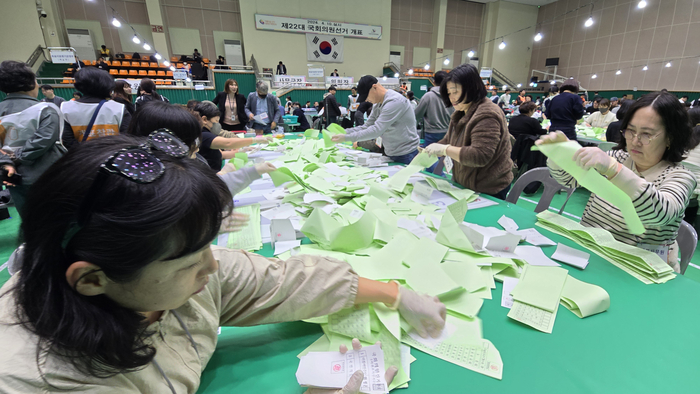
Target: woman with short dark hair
x: 603, y: 117
x: 525, y: 123
x: 120, y: 291
x: 122, y: 95
x: 95, y: 110
x: 477, y: 139
x: 149, y: 93
x: 612, y: 134
x: 565, y: 109
x: 646, y: 166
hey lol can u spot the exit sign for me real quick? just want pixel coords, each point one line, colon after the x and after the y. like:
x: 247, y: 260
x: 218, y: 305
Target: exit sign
x: 157, y: 28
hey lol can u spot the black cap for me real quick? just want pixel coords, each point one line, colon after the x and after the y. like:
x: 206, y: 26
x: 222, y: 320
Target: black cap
x: 364, y: 86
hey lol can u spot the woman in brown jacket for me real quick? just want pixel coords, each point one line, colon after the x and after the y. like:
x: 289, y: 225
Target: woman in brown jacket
x: 477, y: 140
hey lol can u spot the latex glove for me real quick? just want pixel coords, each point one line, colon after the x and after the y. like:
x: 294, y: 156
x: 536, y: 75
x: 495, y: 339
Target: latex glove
x: 338, y: 138
x: 551, y: 138
x: 234, y: 223
x: 264, y: 168
x: 423, y: 312
x: 438, y: 150
x: 10, y: 171
x: 262, y: 139
x: 228, y: 167
x: 355, y: 382
x: 595, y: 158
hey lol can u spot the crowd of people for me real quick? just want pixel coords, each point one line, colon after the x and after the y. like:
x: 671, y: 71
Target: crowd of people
x: 120, y: 202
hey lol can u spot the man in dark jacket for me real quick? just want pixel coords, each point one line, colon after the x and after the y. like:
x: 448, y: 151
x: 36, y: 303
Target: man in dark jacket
x: 332, y: 109
x: 301, y: 118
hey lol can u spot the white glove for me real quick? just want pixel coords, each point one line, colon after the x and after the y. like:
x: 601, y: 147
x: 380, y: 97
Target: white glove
x: 264, y: 168
x: 438, y: 150
x: 551, y: 138
x: 228, y: 167
x: 355, y: 382
x: 262, y: 139
x: 234, y: 223
x: 338, y: 138
x: 595, y: 158
x: 423, y: 312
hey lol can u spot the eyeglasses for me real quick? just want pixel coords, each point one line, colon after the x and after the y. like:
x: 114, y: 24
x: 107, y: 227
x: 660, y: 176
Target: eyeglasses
x: 644, y: 138
x: 136, y: 163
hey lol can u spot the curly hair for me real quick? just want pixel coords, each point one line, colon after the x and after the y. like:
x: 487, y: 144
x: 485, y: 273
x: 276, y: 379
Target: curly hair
x: 16, y: 77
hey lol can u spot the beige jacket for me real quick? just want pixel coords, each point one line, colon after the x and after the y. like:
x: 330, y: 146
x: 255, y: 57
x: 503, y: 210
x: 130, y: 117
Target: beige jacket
x: 248, y: 290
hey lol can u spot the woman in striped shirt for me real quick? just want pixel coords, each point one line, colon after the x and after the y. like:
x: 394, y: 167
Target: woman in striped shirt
x: 646, y: 166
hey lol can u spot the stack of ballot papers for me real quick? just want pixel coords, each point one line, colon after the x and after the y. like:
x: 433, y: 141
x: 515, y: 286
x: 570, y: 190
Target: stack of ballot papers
x: 642, y: 264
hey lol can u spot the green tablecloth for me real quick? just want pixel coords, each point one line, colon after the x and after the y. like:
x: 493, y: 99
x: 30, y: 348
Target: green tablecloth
x: 647, y: 342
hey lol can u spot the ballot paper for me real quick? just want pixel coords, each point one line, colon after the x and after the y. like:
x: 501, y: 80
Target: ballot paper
x: 481, y: 202
x: 584, y: 299
x: 533, y: 255
x: 506, y: 298
x: 532, y: 316
x: 283, y: 246
x: 418, y: 229
x: 334, y: 369
x: 508, y: 224
x: 431, y: 342
x: 421, y: 193
x: 571, y: 256
x: 534, y: 237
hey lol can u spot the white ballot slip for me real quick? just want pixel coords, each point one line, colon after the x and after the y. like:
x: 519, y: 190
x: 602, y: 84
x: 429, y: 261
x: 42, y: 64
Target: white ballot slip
x: 571, y: 256
x: 508, y: 285
x: 333, y: 370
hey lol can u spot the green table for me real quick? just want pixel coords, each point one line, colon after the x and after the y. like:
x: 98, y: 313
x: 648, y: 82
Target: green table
x: 647, y: 342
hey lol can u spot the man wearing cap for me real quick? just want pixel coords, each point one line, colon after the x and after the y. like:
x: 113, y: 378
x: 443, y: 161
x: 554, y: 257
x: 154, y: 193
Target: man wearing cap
x: 392, y: 119
x: 614, y: 104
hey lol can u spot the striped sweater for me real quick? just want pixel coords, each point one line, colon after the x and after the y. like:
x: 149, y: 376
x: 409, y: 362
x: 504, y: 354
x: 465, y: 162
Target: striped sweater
x: 659, y: 194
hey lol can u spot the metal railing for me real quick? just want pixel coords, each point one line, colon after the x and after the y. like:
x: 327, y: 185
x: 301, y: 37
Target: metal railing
x: 393, y: 67
x: 177, y: 82
x: 38, y: 52
x: 501, y: 77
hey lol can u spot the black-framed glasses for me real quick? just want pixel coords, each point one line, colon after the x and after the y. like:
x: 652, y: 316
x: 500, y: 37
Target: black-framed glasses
x: 136, y: 163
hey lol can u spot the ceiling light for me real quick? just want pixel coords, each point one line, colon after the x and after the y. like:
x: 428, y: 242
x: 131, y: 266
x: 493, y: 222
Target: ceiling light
x: 446, y: 62
x: 470, y: 54
x: 589, y: 22
x: 668, y: 64
x: 427, y: 67
x: 396, y: 75
x: 384, y: 78
x: 410, y: 71
x: 502, y: 45
x: 116, y: 22
x: 188, y: 80
x: 618, y: 72
x: 642, y: 4
x: 645, y: 68
x: 158, y: 56
x: 504, y: 87
x: 594, y: 76
x: 166, y: 63
x: 519, y: 85
x: 172, y: 68
x: 552, y: 82
x: 136, y: 39
x: 146, y: 46
x: 538, y: 36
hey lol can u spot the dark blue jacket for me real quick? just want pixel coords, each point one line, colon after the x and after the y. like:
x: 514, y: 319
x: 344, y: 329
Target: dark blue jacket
x: 564, y: 111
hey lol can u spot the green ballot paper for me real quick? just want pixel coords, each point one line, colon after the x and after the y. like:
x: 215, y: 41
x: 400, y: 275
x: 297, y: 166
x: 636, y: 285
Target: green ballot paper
x: 311, y: 133
x: 562, y: 154
x: 421, y: 161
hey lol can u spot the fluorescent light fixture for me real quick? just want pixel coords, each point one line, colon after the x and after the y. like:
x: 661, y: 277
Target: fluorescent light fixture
x: 645, y: 68
x: 594, y: 76
x: 116, y: 22
x: 502, y: 45
x: 146, y: 46
x: 641, y: 4
x: 158, y: 56
x: 427, y: 67
x: 538, y: 36
x: 410, y: 71
x: 446, y: 62
x: 166, y: 63
x: 668, y: 64
x: 471, y: 54
x: 589, y: 22
x: 618, y: 72
x: 519, y: 85
x: 136, y: 39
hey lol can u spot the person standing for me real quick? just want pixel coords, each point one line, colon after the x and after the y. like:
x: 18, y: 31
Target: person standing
x: 232, y: 105
x: 505, y: 98
x: 353, y: 104
x: 392, y: 119
x: 335, y: 73
x: 412, y: 99
x: 521, y: 98
x: 553, y: 91
x: 149, y: 93
x: 50, y: 97
x: 331, y: 107
x: 566, y: 109
x: 436, y: 116
x: 288, y: 105
x: 35, y: 142
x: 262, y: 105
x: 477, y: 141
x: 281, y: 69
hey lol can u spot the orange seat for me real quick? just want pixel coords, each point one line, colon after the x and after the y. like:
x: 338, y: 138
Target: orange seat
x: 143, y: 72
x: 174, y: 58
x: 152, y: 73
x: 153, y: 65
x: 123, y: 72
x: 205, y: 60
x: 126, y: 64
x: 169, y: 73
x: 128, y: 57
x: 113, y: 72
x: 180, y: 65
x: 133, y: 72
x: 116, y: 63
x: 87, y: 62
x: 68, y: 80
x: 161, y: 73
x: 144, y: 64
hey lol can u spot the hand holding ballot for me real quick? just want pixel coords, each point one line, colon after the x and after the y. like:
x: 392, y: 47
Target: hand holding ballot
x: 338, y: 138
x: 436, y: 149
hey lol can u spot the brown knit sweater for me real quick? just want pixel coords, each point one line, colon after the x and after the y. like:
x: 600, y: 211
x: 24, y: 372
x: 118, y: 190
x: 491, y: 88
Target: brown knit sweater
x: 482, y: 134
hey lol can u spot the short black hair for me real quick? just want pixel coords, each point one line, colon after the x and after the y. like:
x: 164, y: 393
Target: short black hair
x: 507, y: 90
x: 280, y: 62
x: 208, y: 109
x: 410, y: 95
x: 16, y: 77
x: 155, y: 115
x: 598, y: 100
x: 675, y: 119
x: 604, y: 103
x: 94, y: 82
x: 438, y: 77
x: 553, y: 89
x: 467, y: 76
x: 46, y: 87
x: 332, y: 88
x: 521, y: 90
x: 103, y: 46
x: 624, y: 107
x: 570, y: 84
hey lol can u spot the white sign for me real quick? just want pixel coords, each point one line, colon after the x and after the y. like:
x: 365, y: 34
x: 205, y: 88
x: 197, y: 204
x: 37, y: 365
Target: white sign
x: 295, y: 80
x: 339, y: 80
x: 315, y: 73
x: 485, y: 73
x: 298, y: 25
x: 179, y: 74
x: 424, y: 88
x: 62, y: 57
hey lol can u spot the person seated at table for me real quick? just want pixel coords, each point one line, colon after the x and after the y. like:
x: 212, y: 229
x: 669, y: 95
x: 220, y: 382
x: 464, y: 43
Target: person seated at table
x: 645, y: 165
x: 301, y: 117
x: 525, y: 123
x: 477, y: 139
x: 601, y: 118
x: 593, y: 106
x: 612, y: 134
x: 392, y: 118
x: 139, y: 312
x: 565, y: 109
